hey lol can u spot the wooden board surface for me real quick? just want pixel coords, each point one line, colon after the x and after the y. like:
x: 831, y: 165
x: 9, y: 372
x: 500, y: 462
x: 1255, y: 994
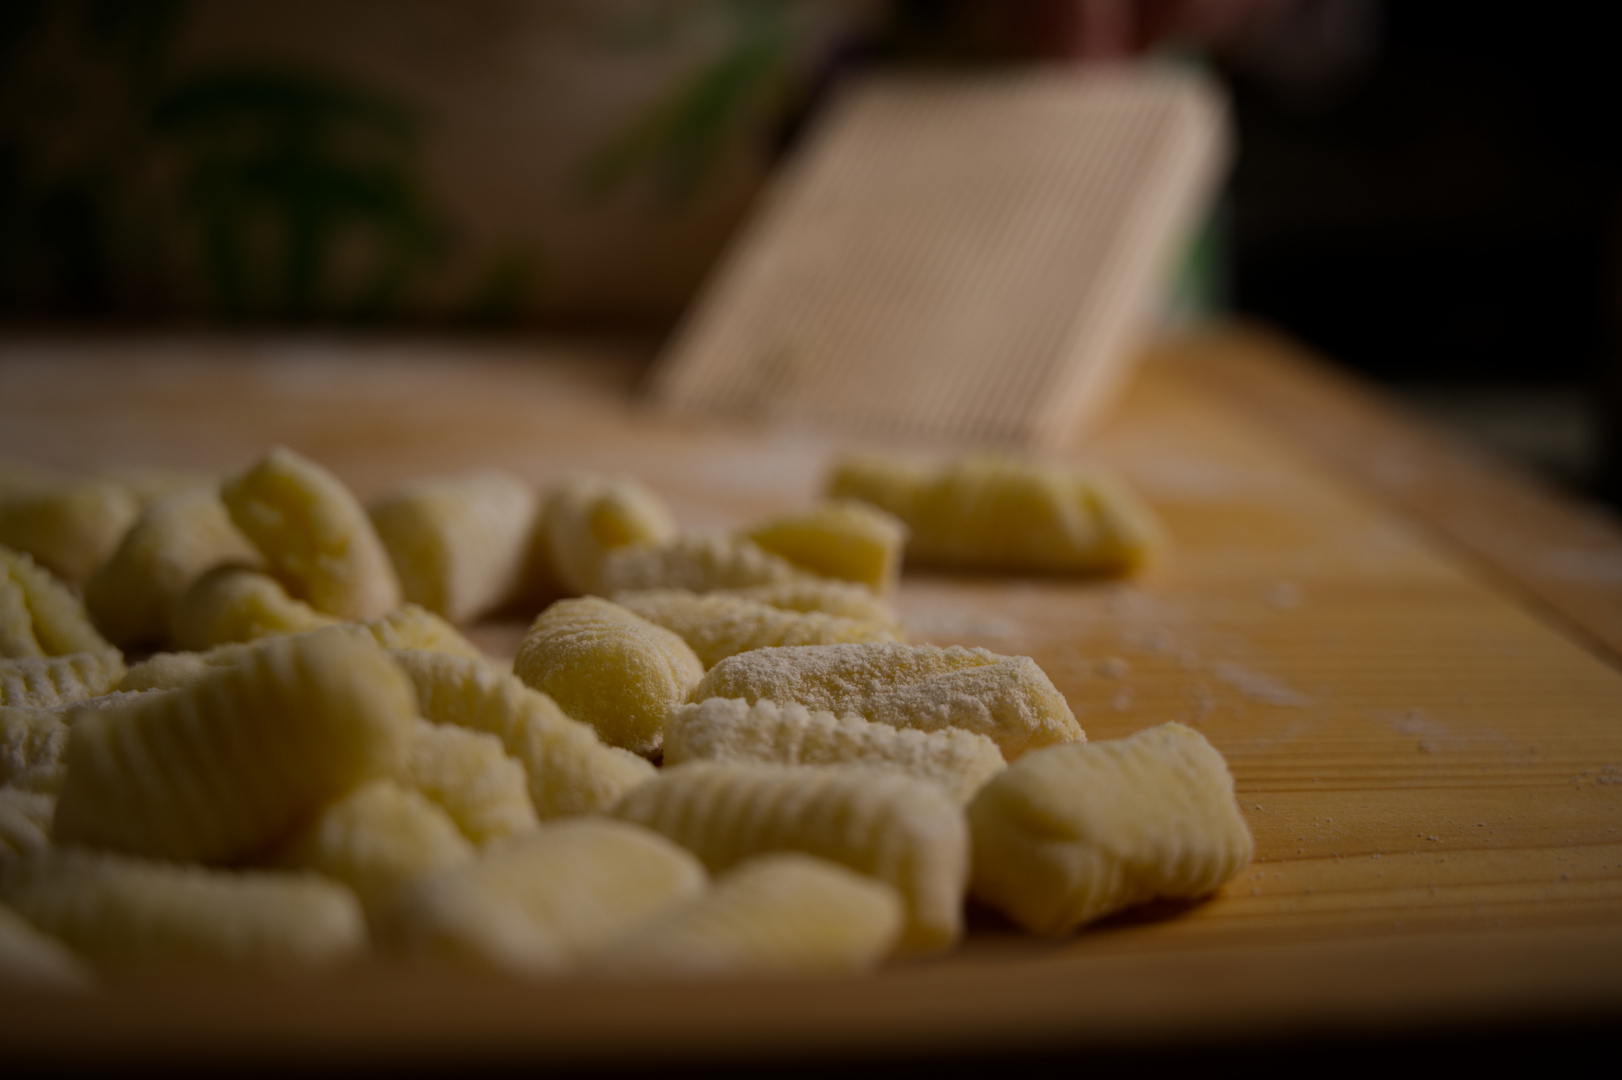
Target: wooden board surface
x: 1426, y: 736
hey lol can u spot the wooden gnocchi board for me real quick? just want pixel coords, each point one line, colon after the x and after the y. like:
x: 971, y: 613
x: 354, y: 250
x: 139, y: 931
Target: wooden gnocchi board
x: 1410, y: 657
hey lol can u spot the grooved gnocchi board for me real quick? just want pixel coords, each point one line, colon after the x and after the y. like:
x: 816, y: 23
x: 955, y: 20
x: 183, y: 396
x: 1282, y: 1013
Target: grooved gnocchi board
x: 1409, y: 657
x: 973, y: 258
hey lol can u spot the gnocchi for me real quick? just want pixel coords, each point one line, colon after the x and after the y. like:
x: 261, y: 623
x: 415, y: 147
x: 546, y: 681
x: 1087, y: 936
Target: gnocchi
x: 840, y: 538
x: 893, y: 827
x: 1073, y: 833
x: 1008, y: 699
x: 608, y: 667
x: 719, y: 626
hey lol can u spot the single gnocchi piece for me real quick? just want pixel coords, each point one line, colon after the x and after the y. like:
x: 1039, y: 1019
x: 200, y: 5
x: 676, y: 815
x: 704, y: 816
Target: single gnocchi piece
x: 315, y: 537
x: 468, y: 775
x: 32, y: 742
x: 119, y: 911
x: 376, y: 839
x: 695, y: 563
x: 721, y: 626
x: 229, y: 765
x: 176, y: 540
x: 727, y: 729
x: 45, y: 682
x: 459, y: 544
x: 785, y: 914
x: 608, y: 667
x: 832, y: 597
x: 839, y: 538
x: 237, y: 604
x: 1001, y: 512
x: 569, y: 770
x: 412, y: 627
x: 70, y: 527
x: 1008, y: 699
x: 1073, y: 833
x: 31, y: 960
x: 588, y: 517
x: 539, y: 903
x: 58, y: 623
x: 891, y: 826
x: 17, y: 640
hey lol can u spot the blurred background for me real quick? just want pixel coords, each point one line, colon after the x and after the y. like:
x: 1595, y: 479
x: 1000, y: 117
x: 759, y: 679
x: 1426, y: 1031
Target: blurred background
x: 1431, y: 194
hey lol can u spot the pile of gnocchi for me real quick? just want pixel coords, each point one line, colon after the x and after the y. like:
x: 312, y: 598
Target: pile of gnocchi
x: 240, y: 729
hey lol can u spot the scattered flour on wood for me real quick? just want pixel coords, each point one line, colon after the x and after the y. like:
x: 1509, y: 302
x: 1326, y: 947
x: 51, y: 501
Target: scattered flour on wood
x: 1259, y: 687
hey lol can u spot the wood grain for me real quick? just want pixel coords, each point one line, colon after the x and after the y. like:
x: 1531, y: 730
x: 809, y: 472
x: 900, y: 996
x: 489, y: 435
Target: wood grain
x: 1427, y: 741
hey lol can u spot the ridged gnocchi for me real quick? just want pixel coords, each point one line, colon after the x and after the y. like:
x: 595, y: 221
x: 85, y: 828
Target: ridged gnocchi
x: 314, y: 535
x: 57, y: 622
x: 32, y: 742
x: 608, y: 667
x: 116, y: 910
x: 696, y: 563
x: 570, y: 770
x: 832, y: 597
x: 891, y: 826
x: 539, y: 903
x: 719, y: 626
x: 468, y: 775
x: 1073, y: 833
x: 784, y: 914
x: 229, y: 765
x: 994, y: 511
x: 1008, y: 699
x: 839, y: 538
x: 460, y: 544
x: 175, y: 541
x: 44, y: 682
x: 728, y: 729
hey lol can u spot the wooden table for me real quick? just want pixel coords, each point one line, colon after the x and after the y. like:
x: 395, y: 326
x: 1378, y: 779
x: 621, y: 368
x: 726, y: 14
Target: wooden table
x: 1408, y: 654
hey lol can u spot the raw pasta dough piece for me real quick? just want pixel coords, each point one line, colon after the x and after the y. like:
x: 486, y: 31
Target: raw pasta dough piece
x: 839, y: 538
x: 71, y: 527
x: 34, y: 961
x: 235, y: 604
x: 408, y: 627
x: 17, y: 640
x: 469, y: 776
x: 776, y: 915
x: 608, y: 667
x: 1008, y: 699
x: 1074, y: 833
x: 32, y: 742
x: 57, y: 680
x: 996, y: 511
x: 536, y: 904
x: 174, y: 542
x: 821, y: 594
x: 727, y: 729
x: 896, y: 828
x: 58, y: 622
x: 695, y: 563
x: 587, y: 517
x: 375, y: 839
x: 315, y: 536
x: 570, y: 770
x: 459, y: 544
x: 112, y: 909
x: 721, y: 626
x: 225, y: 767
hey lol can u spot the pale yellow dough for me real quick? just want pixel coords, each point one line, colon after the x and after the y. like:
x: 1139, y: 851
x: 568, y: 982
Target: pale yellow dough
x: 905, y: 831
x: 839, y: 538
x: 1073, y: 833
x: 1008, y: 699
x: 719, y: 625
